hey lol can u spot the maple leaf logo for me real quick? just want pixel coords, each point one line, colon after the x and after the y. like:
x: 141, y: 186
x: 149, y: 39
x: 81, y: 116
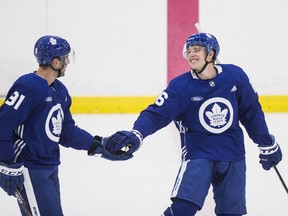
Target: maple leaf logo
x: 218, y: 116
x: 53, y: 41
x: 57, y: 124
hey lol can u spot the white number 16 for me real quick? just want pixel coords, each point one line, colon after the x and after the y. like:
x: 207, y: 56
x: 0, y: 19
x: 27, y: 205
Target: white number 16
x: 161, y: 99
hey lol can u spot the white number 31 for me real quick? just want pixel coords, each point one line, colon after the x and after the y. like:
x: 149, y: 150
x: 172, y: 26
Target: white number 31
x: 15, y: 100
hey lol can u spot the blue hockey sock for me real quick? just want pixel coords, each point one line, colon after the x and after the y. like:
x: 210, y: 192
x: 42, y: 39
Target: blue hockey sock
x: 181, y: 207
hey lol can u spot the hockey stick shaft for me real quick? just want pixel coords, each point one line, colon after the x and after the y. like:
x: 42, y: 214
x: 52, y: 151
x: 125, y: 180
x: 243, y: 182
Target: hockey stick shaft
x: 198, y: 27
x: 22, y: 203
x: 281, y: 179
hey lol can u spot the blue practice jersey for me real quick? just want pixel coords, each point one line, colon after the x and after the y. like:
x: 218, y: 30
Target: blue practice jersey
x: 34, y: 119
x: 207, y: 114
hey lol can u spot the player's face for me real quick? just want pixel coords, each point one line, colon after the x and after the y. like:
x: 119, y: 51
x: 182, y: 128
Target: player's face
x: 196, y: 57
x: 60, y: 64
x: 64, y: 63
x: 67, y: 60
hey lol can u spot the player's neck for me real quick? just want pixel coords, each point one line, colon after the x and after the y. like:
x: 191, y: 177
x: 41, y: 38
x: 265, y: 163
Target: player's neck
x: 209, y: 73
x: 47, y: 74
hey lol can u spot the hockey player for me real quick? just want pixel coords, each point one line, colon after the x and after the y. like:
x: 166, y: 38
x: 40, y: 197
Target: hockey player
x: 34, y: 119
x: 206, y: 105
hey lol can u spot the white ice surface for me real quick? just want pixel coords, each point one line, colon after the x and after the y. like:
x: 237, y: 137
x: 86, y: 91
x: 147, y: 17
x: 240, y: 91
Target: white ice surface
x: 141, y: 186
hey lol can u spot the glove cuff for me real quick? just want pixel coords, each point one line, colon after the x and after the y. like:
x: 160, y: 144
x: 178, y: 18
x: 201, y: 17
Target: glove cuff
x: 96, y: 143
x: 11, y: 171
x: 268, y: 150
x: 139, y: 135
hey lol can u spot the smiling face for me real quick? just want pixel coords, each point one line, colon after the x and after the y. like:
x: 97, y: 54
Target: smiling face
x: 196, y: 57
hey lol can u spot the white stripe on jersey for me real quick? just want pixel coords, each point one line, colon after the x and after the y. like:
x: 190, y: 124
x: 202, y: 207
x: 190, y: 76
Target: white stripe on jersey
x: 18, y: 146
x: 19, y: 131
x: 184, y: 153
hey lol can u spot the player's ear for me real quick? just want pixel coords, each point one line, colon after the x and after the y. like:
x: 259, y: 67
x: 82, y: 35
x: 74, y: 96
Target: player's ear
x: 56, y: 62
x: 211, y: 55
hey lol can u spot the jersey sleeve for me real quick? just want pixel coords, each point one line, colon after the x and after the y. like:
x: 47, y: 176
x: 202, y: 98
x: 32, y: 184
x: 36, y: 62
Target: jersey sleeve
x: 250, y: 113
x: 18, y: 105
x: 161, y: 113
x: 72, y: 135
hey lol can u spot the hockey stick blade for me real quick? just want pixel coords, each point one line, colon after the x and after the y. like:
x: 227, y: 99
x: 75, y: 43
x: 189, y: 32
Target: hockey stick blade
x: 281, y: 179
x: 22, y: 203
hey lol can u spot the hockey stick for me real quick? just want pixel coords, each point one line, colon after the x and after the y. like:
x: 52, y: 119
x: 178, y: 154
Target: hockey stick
x: 198, y: 27
x: 281, y: 179
x: 22, y: 203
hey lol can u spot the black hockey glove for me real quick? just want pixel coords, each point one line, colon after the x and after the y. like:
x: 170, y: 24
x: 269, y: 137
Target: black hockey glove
x: 270, y: 155
x: 11, y: 177
x: 128, y: 140
x: 98, y: 148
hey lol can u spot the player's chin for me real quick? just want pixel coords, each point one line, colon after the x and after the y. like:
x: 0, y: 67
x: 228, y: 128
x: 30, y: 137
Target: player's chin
x: 193, y: 65
x: 194, y: 68
x: 63, y: 73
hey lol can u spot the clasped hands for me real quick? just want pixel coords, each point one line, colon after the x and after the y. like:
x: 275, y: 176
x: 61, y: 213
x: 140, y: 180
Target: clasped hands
x: 117, y: 147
